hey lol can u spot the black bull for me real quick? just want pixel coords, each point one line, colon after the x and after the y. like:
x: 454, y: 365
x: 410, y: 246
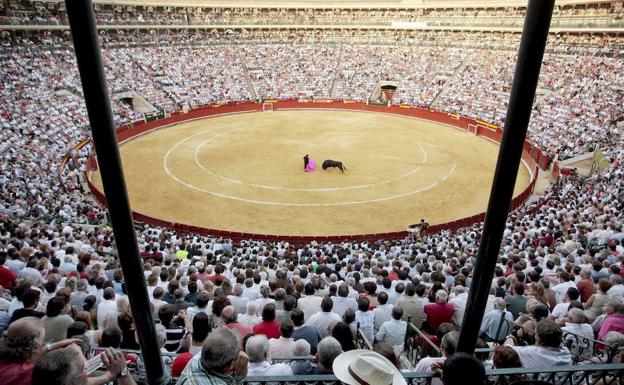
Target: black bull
x: 333, y: 163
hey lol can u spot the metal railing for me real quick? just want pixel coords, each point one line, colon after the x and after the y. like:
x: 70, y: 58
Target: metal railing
x: 563, y: 375
x: 415, y: 343
x: 604, y: 374
x: 583, y: 349
x: 361, y: 342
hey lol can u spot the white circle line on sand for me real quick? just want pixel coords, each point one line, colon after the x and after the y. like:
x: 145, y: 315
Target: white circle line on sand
x: 205, y: 169
x: 307, y: 204
x: 197, y: 149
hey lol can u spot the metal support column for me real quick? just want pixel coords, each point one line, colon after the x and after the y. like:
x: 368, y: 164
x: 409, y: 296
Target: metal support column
x: 532, y: 45
x: 82, y: 22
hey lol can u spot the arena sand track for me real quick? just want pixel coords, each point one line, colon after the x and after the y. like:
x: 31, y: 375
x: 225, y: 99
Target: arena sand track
x: 244, y: 172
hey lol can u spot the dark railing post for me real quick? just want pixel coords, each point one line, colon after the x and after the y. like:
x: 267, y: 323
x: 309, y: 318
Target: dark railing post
x: 84, y: 33
x: 530, y: 54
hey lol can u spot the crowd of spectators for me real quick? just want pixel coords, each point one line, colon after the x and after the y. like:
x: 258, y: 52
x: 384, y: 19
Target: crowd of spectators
x: 581, y: 15
x: 259, y: 304
x: 237, y: 308
x: 575, y: 110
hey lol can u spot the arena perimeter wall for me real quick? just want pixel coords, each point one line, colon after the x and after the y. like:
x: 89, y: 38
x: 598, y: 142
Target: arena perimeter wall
x: 531, y: 155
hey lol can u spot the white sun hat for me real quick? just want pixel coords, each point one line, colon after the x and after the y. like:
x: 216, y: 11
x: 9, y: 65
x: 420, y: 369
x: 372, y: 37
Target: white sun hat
x: 365, y: 367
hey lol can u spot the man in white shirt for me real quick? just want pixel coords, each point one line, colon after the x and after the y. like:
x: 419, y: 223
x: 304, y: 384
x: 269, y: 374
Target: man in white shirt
x: 201, y: 307
x: 576, y: 323
x: 547, y: 350
x: 496, y: 324
x: 392, y: 332
x: 310, y: 304
x: 157, y: 300
x: 68, y: 266
x: 567, y: 281
x: 107, y: 307
x: 324, y: 318
x: 366, y: 319
x: 459, y: 305
x: 250, y: 318
x: 31, y: 274
x: 238, y: 300
x: 265, y: 292
x: 383, y: 312
x: 250, y: 292
x: 343, y: 302
x: 257, y: 350
x: 561, y: 309
x: 617, y: 290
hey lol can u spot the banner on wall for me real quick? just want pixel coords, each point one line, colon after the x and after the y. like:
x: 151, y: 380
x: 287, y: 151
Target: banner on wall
x: 601, y: 163
x: 486, y: 124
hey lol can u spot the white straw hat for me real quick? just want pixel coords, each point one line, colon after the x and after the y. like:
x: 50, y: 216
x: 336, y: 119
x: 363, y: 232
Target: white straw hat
x: 365, y: 367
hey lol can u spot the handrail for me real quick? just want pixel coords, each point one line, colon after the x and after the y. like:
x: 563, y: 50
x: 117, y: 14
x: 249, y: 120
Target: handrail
x: 571, y: 374
x: 551, y: 375
x: 425, y: 337
x: 578, y: 345
x: 361, y: 340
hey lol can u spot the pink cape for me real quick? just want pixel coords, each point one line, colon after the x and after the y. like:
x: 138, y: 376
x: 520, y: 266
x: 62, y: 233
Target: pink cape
x: 311, y: 166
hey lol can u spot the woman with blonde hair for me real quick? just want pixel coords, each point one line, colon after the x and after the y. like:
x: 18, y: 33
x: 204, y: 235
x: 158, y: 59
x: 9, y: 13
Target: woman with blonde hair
x: 537, y: 291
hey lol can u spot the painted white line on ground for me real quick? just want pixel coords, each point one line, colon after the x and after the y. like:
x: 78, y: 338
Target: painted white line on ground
x: 198, y: 163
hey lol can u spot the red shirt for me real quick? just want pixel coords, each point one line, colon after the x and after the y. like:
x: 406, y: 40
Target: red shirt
x: 16, y: 373
x: 214, y: 278
x: 437, y: 314
x: 269, y: 329
x: 6, y: 277
x: 179, y: 363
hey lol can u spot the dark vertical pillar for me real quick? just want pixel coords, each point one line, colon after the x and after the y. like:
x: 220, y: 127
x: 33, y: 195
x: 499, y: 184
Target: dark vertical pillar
x: 84, y: 33
x: 534, y: 35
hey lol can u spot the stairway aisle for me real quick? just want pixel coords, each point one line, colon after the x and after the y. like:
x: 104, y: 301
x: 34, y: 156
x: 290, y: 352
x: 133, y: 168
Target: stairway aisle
x: 334, y: 85
x: 453, y: 78
x: 250, y: 85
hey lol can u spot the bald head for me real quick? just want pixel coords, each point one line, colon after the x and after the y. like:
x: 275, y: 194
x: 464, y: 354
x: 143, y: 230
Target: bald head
x: 23, y: 340
x: 27, y: 327
x: 229, y: 314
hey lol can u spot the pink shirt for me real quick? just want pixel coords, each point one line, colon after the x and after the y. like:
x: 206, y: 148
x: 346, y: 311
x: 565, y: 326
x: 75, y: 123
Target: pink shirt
x: 16, y: 373
x: 611, y: 323
x: 240, y: 329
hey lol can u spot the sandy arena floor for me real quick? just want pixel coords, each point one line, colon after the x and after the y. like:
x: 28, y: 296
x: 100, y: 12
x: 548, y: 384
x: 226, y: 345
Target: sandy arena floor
x: 244, y: 172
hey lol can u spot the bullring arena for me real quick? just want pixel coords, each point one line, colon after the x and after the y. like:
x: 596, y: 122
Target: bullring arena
x: 233, y: 265
x: 243, y: 172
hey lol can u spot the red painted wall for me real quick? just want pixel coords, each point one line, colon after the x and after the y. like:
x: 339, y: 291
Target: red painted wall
x: 531, y: 155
